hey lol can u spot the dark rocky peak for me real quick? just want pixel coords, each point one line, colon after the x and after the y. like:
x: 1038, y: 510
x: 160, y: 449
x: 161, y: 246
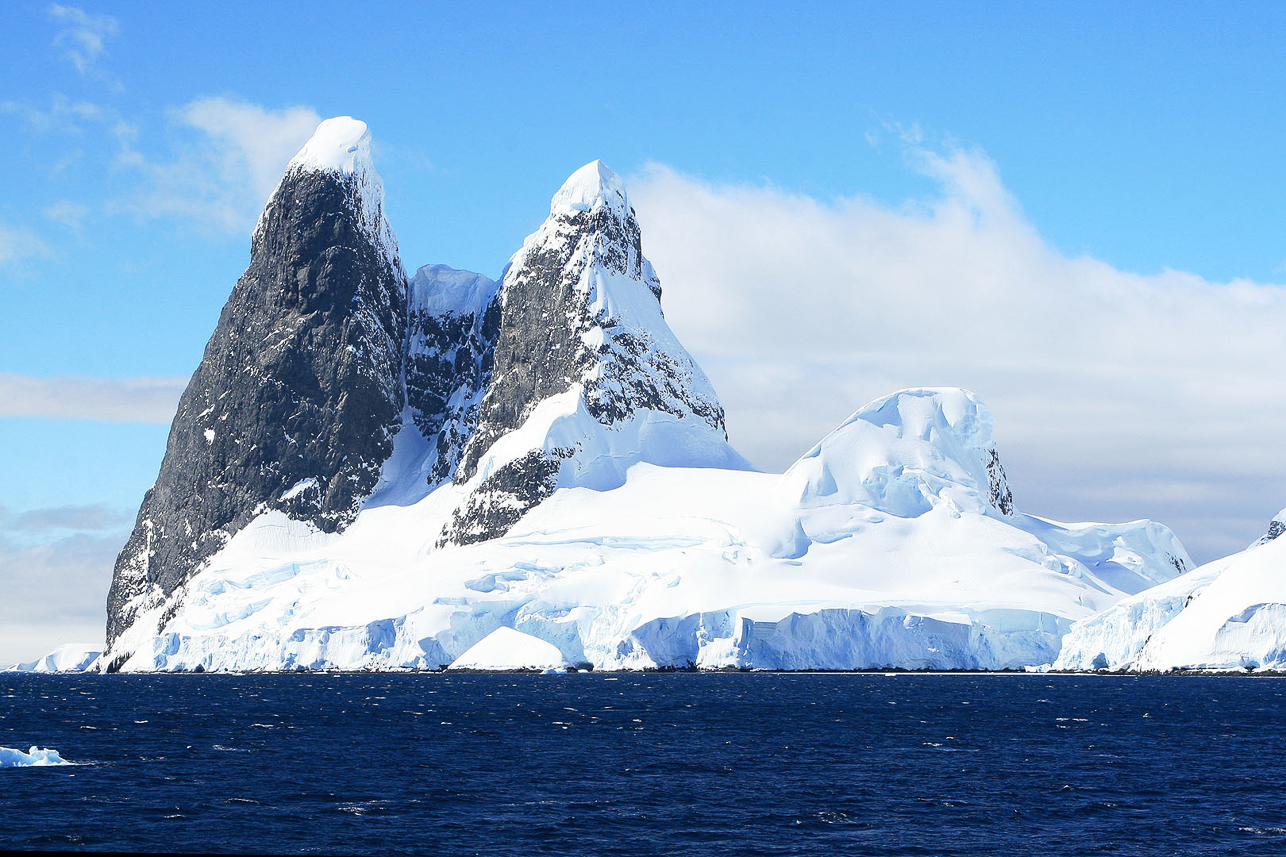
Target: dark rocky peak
x: 582, y: 340
x: 299, y: 393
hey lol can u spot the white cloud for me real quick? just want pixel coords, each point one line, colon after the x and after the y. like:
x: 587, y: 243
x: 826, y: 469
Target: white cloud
x: 228, y: 160
x: 83, y: 38
x: 18, y: 243
x: 146, y: 400
x: 1117, y: 395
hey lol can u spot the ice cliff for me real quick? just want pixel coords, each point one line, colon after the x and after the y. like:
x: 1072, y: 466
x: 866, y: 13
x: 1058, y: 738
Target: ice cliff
x: 1229, y: 614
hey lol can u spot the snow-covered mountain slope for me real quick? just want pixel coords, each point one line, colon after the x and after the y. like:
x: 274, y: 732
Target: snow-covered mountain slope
x: 299, y: 393
x: 1228, y: 614
x: 893, y: 543
x: 587, y: 378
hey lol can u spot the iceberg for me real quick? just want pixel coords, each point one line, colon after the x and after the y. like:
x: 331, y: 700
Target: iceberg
x: 33, y: 758
x: 67, y: 658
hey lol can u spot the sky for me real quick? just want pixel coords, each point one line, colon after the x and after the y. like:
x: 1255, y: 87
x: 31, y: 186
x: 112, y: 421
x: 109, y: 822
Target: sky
x: 1073, y: 210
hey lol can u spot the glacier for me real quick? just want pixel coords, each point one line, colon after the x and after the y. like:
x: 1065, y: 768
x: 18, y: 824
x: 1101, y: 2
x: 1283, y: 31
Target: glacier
x: 884, y: 546
x: 1226, y: 615
x: 541, y: 478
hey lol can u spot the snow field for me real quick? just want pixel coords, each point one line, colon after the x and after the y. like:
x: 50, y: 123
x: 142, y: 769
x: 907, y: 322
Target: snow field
x: 687, y: 566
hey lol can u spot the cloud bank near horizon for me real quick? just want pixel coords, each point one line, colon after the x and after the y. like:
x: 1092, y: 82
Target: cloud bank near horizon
x: 139, y: 399
x: 1117, y: 395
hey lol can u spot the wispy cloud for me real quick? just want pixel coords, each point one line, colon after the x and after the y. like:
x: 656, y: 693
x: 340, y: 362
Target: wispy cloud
x: 83, y: 39
x: 227, y: 162
x: 75, y: 119
x: 92, y: 518
x: 66, y: 213
x: 1164, y: 386
x: 18, y: 243
x: 145, y: 400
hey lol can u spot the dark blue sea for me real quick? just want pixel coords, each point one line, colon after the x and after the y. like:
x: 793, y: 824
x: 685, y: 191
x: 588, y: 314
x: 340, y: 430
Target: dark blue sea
x: 641, y: 764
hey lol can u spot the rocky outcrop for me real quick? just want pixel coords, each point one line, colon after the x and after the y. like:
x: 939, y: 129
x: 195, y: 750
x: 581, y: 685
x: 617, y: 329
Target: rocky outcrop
x: 299, y: 394
x: 1276, y: 527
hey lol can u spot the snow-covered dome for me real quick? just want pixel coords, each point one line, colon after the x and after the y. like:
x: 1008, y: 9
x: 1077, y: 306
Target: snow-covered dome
x: 905, y: 453
x: 341, y: 144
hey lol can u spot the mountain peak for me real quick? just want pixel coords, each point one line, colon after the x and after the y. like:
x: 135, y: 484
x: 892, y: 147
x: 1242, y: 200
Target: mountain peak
x: 339, y: 145
x: 593, y: 184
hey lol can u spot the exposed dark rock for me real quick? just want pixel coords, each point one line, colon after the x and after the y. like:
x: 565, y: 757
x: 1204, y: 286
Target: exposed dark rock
x: 300, y: 388
x: 503, y: 497
x: 542, y: 349
x: 1001, y: 497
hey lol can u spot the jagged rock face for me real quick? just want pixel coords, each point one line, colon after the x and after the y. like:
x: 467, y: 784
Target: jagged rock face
x: 299, y: 393
x: 998, y: 484
x: 1276, y: 527
x: 579, y: 310
x: 454, y: 320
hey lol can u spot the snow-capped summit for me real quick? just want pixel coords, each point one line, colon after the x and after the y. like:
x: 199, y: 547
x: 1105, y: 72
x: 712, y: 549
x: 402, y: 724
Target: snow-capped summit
x: 341, y: 148
x: 592, y: 186
x: 340, y: 145
x: 587, y: 378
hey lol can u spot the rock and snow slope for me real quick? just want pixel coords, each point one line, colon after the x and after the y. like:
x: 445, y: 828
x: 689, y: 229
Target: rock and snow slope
x: 586, y: 377
x: 1228, y: 614
x: 884, y: 546
x: 299, y: 394
x: 541, y: 460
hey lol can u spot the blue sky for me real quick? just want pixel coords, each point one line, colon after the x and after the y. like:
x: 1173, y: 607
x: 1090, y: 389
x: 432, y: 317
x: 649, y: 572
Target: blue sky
x: 1098, y: 172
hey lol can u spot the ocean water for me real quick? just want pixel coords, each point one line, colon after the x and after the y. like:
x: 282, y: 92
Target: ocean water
x: 640, y: 764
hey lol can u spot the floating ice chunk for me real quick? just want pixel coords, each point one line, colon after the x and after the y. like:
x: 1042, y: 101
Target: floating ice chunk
x: 509, y: 649
x: 33, y: 758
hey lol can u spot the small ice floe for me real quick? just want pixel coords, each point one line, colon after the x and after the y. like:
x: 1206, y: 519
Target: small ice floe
x: 33, y: 758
